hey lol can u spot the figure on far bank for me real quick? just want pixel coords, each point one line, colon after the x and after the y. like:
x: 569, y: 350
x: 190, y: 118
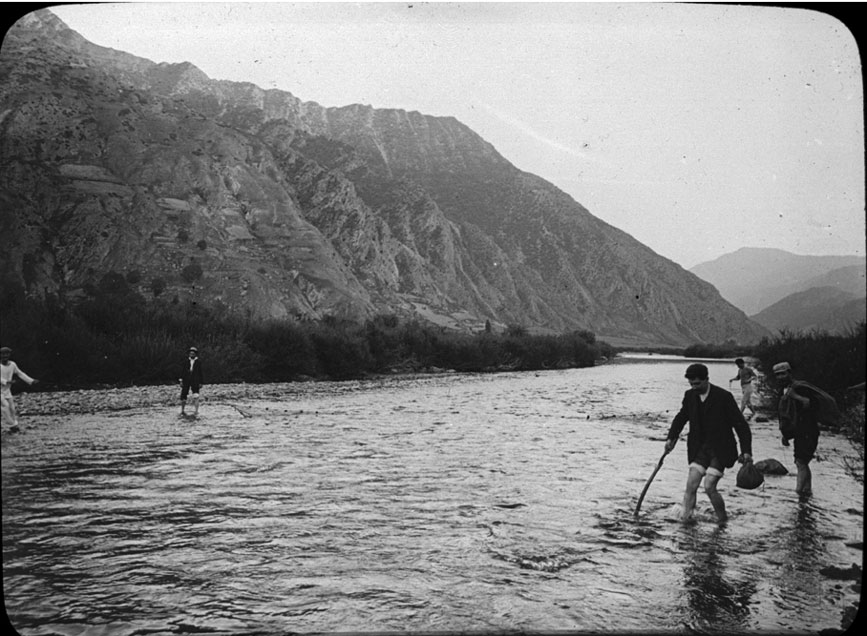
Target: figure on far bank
x: 746, y: 375
x: 8, y: 372
x: 802, y: 407
x: 191, y: 381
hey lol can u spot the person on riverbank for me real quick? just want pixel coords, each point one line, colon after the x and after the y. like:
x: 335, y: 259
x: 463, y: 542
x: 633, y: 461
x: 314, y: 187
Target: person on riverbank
x: 191, y: 380
x: 746, y: 375
x: 713, y: 415
x: 802, y: 407
x: 8, y: 372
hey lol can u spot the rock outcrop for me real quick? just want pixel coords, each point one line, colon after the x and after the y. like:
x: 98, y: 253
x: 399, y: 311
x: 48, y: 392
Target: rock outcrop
x: 223, y: 193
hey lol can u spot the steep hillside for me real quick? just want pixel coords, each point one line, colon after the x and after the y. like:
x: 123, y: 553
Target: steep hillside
x: 754, y: 278
x: 205, y: 191
x: 818, y: 308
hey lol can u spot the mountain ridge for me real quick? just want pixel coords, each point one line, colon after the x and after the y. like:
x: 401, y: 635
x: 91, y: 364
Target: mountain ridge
x: 756, y: 278
x: 824, y: 308
x: 223, y: 192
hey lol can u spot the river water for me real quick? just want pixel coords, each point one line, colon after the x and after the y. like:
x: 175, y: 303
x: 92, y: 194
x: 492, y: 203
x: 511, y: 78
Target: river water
x: 443, y: 503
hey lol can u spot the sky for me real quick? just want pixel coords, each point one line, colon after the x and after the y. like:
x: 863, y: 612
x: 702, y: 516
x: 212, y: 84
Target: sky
x: 697, y: 129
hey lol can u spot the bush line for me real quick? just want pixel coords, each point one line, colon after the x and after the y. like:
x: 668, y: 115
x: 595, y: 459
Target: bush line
x: 116, y: 338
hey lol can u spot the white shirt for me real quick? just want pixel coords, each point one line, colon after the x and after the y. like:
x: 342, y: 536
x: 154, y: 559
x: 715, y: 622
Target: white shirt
x: 7, y: 372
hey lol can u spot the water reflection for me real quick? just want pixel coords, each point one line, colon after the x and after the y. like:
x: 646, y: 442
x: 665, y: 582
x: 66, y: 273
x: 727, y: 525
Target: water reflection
x: 715, y: 600
x: 800, y: 546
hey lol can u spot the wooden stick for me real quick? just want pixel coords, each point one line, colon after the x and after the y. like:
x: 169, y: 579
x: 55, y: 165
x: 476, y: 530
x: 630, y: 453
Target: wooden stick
x: 647, y: 485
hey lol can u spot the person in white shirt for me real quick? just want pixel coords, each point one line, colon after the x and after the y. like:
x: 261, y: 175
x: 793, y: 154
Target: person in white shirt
x: 746, y: 375
x: 8, y: 371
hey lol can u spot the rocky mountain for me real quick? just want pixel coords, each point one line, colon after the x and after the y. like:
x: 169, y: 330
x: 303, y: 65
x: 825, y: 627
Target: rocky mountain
x: 222, y: 193
x: 755, y: 278
x: 818, y: 308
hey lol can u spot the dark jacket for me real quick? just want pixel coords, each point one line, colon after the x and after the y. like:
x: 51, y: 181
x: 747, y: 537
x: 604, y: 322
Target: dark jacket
x: 192, y: 377
x: 713, y: 421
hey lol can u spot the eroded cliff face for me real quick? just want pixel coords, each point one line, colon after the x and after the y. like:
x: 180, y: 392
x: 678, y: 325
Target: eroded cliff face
x: 223, y: 193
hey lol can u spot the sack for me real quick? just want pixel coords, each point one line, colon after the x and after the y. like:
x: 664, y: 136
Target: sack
x: 771, y: 467
x: 823, y: 405
x: 750, y: 477
x: 787, y: 428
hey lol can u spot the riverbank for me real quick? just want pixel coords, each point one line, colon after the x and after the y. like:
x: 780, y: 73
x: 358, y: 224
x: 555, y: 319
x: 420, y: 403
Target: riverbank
x: 111, y: 399
x: 86, y: 401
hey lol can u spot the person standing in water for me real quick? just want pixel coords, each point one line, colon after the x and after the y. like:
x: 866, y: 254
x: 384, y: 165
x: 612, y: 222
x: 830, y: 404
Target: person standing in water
x: 802, y: 406
x: 8, y: 371
x: 713, y: 415
x: 191, y: 380
x: 746, y: 375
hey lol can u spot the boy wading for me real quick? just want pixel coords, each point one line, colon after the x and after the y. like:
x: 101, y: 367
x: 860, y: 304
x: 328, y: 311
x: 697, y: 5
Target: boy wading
x: 713, y: 417
x: 191, y: 380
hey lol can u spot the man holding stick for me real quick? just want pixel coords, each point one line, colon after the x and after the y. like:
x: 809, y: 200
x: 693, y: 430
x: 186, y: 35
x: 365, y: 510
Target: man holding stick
x: 712, y: 414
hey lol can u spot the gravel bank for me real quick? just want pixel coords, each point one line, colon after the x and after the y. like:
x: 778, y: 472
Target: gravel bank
x: 120, y: 399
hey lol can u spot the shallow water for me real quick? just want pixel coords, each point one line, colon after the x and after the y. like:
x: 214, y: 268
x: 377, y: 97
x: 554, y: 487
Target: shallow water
x: 443, y: 503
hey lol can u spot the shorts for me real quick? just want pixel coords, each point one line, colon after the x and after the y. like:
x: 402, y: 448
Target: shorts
x: 805, y: 446
x: 706, y: 462
x: 185, y: 389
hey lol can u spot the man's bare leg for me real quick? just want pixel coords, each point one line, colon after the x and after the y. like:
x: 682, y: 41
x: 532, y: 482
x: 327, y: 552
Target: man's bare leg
x: 716, y: 500
x: 692, y: 482
x: 804, y: 485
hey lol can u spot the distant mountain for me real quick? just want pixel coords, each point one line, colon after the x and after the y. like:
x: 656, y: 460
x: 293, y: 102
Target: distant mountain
x: 823, y: 308
x: 194, y: 190
x: 755, y: 278
x: 852, y: 279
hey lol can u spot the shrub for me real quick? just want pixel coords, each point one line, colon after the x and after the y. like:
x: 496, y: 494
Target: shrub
x: 517, y: 331
x: 342, y: 353
x: 113, y: 283
x: 285, y: 349
x: 192, y: 272
x: 227, y: 360
x: 832, y: 362
x: 151, y: 354
x: 384, y: 343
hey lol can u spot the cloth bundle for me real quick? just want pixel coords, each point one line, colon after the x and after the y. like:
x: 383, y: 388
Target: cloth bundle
x: 750, y: 477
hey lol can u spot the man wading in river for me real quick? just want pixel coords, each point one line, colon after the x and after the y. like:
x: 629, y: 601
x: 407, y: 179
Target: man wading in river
x: 712, y: 414
x: 746, y: 375
x: 802, y: 406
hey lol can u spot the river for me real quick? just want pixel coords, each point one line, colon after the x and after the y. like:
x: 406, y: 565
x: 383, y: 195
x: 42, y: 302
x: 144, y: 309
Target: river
x: 451, y: 502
